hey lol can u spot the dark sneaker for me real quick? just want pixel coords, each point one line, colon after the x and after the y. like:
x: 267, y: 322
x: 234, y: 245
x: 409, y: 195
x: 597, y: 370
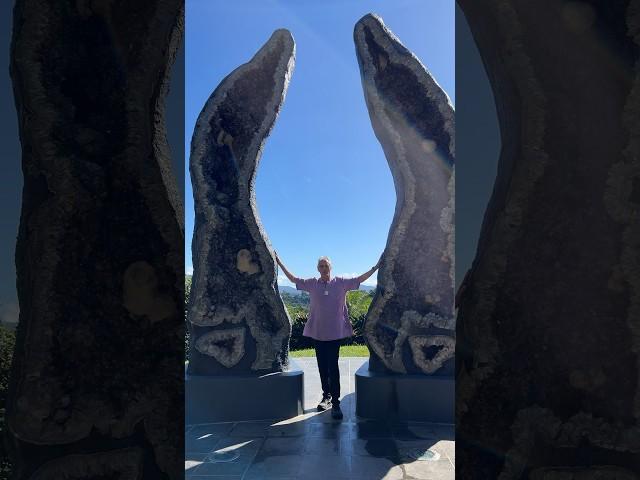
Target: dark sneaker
x: 336, y: 412
x: 325, y: 403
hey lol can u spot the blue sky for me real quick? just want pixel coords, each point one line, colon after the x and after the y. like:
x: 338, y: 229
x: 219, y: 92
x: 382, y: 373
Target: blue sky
x: 323, y: 185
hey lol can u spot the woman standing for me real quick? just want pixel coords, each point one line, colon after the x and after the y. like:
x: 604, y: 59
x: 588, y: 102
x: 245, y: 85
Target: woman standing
x: 328, y: 324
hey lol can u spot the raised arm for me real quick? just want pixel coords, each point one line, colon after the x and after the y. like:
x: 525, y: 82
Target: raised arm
x: 287, y: 273
x: 369, y: 272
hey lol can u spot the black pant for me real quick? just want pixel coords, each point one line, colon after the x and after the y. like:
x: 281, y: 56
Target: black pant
x: 327, y: 353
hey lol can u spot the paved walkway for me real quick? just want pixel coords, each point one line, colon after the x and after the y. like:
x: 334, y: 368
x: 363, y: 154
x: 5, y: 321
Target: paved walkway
x: 314, y: 446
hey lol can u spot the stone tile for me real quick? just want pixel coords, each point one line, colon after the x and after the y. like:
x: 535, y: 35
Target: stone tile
x: 217, y: 429
x: 441, y: 467
x: 451, y: 454
x: 440, y: 464
x: 329, y: 430
x: 424, y: 443
x: 447, y: 448
x: 216, y: 470
x: 323, y: 417
x: 268, y: 467
x: 312, y: 395
x: 349, y: 398
x: 322, y: 446
x: 200, y: 444
x: 412, y: 431
x: 195, y: 456
x: 348, y: 415
x: 368, y: 429
x: 204, y: 437
x: 288, y: 430
x: 216, y: 477
x: 311, y: 376
x: 365, y: 468
x: 308, y: 413
x: 428, y: 470
x: 374, y: 447
x: 282, y: 446
x: 246, y: 446
x: 313, y: 388
x: 313, y: 445
x: 317, y: 467
x: 247, y: 449
x: 191, y: 461
x: 258, y: 428
x: 270, y: 477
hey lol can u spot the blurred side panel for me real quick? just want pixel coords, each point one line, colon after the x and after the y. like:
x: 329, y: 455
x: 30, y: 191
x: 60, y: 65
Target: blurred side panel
x: 96, y: 387
x: 548, y: 329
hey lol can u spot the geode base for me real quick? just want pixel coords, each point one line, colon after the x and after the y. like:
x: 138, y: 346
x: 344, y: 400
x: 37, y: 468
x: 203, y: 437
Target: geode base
x: 384, y: 396
x: 244, y: 397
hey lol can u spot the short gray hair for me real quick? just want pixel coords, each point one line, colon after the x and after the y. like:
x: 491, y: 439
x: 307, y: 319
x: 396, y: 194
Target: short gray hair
x: 326, y: 259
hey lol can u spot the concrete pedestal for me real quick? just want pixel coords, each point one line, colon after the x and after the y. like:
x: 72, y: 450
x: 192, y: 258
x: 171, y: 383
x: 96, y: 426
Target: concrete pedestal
x: 211, y: 399
x: 383, y: 396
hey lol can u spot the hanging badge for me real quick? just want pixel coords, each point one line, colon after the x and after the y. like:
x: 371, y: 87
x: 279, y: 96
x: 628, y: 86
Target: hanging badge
x: 326, y: 292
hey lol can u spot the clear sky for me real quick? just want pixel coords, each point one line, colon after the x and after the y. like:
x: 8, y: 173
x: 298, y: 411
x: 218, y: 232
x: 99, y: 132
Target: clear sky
x: 323, y: 185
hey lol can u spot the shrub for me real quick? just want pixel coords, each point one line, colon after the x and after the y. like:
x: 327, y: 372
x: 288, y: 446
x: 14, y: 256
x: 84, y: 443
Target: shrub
x: 187, y: 292
x: 7, y: 345
x: 357, y: 303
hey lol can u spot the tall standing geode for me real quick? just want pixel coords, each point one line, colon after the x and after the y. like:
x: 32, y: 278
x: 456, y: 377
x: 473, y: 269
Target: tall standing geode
x: 236, y: 317
x: 410, y: 326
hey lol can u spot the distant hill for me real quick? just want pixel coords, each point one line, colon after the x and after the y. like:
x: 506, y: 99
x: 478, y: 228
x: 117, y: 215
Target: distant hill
x: 9, y: 325
x: 9, y: 315
x: 289, y: 290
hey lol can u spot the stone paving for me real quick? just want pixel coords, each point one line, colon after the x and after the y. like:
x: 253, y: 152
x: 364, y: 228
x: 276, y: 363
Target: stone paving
x: 315, y: 446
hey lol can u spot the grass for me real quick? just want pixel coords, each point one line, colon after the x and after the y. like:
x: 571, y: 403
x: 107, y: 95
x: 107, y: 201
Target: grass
x: 345, y: 351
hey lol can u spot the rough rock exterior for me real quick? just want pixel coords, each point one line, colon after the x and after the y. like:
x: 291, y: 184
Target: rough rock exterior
x: 237, y: 319
x: 97, y: 382
x: 410, y: 326
x: 548, y: 357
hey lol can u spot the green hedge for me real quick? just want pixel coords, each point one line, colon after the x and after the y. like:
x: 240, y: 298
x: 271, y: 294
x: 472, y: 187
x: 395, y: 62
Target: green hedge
x: 298, y: 341
x: 358, y: 303
x: 7, y: 345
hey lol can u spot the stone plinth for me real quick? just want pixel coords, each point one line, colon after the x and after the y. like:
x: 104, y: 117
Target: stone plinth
x: 224, y: 398
x: 380, y: 396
